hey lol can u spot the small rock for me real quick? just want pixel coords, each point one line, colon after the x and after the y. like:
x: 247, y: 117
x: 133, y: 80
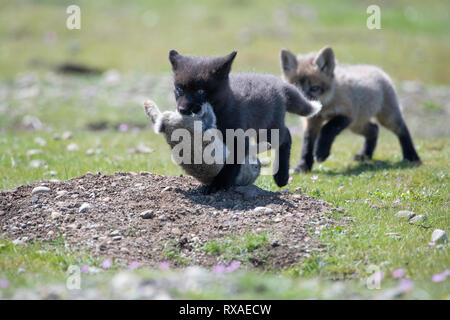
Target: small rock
x: 405, y: 214
x: 85, y: 207
x: 33, y: 152
x: 17, y: 242
x: 418, y: 219
x: 40, y: 141
x: 439, y: 235
x: 117, y: 238
x: 67, y: 135
x: 40, y: 189
x: 55, y: 214
x: 73, y: 147
x: 141, y: 148
x: 176, y: 231
x: 167, y: 189
x: 265, y: 210
x: 36, y: 163
x: 148, y: 214
x: 114, y: 233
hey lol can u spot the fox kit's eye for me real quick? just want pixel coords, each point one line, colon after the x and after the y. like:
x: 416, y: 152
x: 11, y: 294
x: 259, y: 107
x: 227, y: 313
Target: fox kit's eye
x: 200, y: 92
x: 315, y: 89
x: 178, y: 91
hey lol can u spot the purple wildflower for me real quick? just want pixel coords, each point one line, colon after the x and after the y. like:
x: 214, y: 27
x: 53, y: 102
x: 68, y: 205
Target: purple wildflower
x: 219, y: 269
x: 134, y: 265
x: 123, y: 127
x: 106, y: 264
x: 398, y: 273
x: 438, y: 277
x: 233, y: 266
x: 84, y: 269
x: 405, y: 285
x: 4, y: 283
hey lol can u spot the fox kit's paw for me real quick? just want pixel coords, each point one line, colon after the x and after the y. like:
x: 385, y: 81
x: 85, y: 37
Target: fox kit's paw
x: 414, y: 160
x: 322, y: 154
x: 361, y: 157
x: 303, y: 166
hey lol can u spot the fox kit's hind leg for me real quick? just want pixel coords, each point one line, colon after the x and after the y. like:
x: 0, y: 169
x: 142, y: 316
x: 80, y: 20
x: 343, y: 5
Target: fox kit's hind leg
x: 391, y: 117
x: 281, y: 176
x: 327, y: 135
x: 370, y: 132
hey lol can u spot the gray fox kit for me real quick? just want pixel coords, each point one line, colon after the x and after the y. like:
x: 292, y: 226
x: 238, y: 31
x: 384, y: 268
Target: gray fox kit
x: 351, y: 96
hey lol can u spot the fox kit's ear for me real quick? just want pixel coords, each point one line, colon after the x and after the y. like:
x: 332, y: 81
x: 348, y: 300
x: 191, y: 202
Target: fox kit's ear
x: 288, y: 62
x: 325, y: 60
x: 174, y: 58
x: 223, y: 65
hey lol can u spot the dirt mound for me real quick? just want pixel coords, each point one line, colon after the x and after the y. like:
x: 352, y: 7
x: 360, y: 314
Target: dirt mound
x: 151, y: 218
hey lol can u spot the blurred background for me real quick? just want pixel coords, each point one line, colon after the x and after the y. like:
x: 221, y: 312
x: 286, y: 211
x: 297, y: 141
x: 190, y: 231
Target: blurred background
x: 122, y: 50
x: 413, y: 43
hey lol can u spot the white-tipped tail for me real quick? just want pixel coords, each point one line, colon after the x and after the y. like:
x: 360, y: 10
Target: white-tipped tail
x: 317, y: 106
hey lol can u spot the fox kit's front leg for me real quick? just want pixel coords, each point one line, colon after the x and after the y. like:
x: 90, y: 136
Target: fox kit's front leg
x: 327, y: 135
x: 310, y: 133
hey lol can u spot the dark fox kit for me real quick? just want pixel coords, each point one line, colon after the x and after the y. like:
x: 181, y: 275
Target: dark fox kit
x: 239, y: 101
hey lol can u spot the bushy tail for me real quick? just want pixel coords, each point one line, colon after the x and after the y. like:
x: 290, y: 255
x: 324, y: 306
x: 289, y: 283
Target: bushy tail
x: 297, y: 103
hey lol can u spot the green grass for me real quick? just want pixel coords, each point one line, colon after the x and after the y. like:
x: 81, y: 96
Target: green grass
x: 237, y: 247
x: 412, y: 44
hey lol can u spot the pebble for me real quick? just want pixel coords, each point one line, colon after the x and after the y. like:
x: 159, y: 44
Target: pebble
x: 439, y: 235
x: 148, y: 214
x: 141, y: 148
x: 418, y: 219
x: 73, y: 147
x: 85, y: 207
x: 117, y: 238
x: 176, y: 231
x: 265, y: 210
x: 405, y: 214
x: 40, y: 141
x: 61, y: 194
x: 33, y: 152
x: 36, y: 163
x: 67, y: 135
x: 55, y: 214
x: 114, y: 233
x: 40, y: 189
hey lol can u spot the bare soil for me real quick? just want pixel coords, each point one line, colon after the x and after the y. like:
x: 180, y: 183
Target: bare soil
x: 183, y: 219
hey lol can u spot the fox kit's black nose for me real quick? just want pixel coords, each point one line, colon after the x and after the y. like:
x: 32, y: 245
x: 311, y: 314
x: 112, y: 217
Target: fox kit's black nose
x: 184, y: 110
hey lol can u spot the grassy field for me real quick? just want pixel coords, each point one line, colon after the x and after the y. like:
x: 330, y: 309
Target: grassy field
x: 37, y: 109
